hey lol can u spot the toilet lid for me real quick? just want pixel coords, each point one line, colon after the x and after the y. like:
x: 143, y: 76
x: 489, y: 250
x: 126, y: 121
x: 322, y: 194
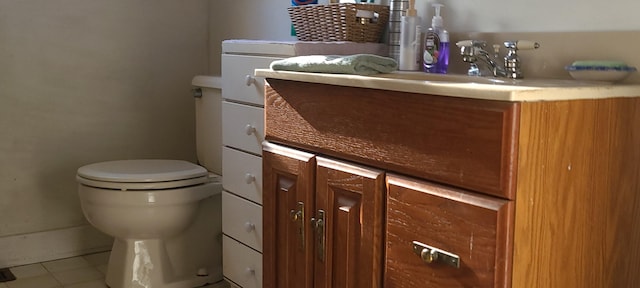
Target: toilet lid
x: 143, y: 171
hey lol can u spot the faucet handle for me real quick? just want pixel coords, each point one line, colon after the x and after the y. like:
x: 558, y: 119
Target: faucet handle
x: 471, y: 43
x: 521, y: 45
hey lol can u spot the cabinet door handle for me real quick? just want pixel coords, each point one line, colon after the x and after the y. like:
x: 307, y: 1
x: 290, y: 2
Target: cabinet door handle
x: 297, y: 216
x: 318, y: 225
x: 431, y: 255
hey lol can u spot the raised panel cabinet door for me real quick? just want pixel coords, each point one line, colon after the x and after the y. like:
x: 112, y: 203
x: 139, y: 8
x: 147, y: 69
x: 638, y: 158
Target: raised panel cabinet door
x: 288, y: 182
x: 348, y: 225
x: 438, y: 236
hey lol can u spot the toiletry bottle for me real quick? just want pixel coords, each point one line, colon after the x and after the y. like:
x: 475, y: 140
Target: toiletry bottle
x: 410, y: 40
x: 436, y: 45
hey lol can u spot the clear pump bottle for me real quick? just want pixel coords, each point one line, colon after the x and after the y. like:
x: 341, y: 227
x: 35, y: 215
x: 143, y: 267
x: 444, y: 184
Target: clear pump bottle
x: 436, y: 47
x: 410, y: 32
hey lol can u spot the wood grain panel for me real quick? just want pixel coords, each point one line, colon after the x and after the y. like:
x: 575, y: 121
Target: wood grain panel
x: 288, y: 179
x: 463, y: 142
x: 473, y: 226
x: 578, y: 199
x: 353, y: 199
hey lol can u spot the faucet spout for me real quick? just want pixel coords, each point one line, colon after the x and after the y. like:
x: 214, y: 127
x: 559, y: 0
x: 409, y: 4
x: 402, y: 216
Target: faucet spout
x: 495, y: 68
x: 472, y: 52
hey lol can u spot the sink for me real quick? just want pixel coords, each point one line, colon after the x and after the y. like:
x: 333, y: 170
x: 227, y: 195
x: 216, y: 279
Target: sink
x: 465, y: 79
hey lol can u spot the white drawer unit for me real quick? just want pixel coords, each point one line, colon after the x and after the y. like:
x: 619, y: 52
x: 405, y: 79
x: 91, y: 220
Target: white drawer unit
x: 242, y: 136
x: 237, y: 76
x: 243, y: 220
x: 242, y: 265
x: 243, y: 127
x: 242, y: 174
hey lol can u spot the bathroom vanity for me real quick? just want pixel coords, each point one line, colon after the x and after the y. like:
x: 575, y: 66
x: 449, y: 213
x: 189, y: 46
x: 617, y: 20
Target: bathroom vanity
x: 416, y: 180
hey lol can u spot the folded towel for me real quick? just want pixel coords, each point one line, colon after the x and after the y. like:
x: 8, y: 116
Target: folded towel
x: 360, y: 64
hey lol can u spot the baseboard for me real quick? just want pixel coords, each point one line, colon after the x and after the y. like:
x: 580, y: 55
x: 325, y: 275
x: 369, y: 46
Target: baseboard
x: 44, y: 246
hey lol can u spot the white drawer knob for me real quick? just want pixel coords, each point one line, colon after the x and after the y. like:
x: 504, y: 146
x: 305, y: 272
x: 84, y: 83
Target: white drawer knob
x: 250, y: 271
x: 249, y: 226
x: 248, y: 80
x: 249, y: 129
x: 249, y: 178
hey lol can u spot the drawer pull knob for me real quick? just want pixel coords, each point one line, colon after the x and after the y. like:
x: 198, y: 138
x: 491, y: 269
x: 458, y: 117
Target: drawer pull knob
x: 249, y: 227
x: 248, y: 80
x: 249, y: 129
x: 250, y: 271
x: 249, y: 178
x: 431, y: 255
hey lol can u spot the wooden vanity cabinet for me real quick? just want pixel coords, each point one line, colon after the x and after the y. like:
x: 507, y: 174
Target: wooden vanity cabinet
x: 509, y: 194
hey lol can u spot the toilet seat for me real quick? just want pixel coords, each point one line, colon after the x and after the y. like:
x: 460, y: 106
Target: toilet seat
x: 143, y: 174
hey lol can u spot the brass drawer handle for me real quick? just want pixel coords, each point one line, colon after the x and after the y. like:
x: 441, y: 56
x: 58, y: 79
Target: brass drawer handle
x: 430, y: 255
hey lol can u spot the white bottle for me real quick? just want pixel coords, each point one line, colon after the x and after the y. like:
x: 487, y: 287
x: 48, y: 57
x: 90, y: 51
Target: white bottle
x: 410, y: 30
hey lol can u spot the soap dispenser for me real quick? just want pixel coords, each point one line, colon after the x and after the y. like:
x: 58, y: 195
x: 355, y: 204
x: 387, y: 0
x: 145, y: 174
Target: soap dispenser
x: 436, y: 47
x: 410, y: 32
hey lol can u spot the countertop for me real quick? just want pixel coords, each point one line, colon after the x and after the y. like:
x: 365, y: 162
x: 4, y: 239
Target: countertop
x: 467, y: 86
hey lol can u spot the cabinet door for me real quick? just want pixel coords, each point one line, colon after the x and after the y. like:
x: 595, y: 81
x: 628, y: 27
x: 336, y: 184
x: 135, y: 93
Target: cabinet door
x: 287, y: 206
x: 348, y: 243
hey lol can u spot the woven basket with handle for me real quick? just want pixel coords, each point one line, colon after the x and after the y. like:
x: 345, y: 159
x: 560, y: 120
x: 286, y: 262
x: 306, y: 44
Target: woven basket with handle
x: 339, y: 22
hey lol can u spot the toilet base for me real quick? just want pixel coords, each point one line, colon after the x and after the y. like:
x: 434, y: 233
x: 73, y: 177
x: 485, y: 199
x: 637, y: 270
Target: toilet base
x: 146, y: 264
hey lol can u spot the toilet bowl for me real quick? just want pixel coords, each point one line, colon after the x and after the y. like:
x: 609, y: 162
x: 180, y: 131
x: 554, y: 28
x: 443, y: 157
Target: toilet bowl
x: 164, y: 215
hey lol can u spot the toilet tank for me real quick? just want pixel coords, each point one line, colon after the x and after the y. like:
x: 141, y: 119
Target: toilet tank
x: 208, y: 104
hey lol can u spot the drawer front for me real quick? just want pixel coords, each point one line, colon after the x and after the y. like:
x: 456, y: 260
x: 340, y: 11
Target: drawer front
x: 468, y: 143
x: 238, y: 82
x: 475, y: 228
x: 241, y: 264
x: 242, y: 174
x: 242, y: 220
x: 243, y: 127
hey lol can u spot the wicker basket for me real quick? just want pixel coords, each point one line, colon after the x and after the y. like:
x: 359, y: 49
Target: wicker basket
x: 338, y: 22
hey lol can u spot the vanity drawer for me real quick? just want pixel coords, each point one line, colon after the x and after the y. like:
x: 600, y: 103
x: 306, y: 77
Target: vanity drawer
x: 242, y: 174
x: 468, y: 143
x: 474, y: 228
x: 238, y: 82
x: 243, y: 127
x: 241, y: 264
x: 242, y: 220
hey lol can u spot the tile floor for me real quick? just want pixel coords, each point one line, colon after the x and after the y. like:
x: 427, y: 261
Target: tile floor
x: 78, y: 272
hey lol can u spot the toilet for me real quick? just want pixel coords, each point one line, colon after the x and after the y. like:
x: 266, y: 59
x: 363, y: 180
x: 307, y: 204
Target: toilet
x: 164, y: 214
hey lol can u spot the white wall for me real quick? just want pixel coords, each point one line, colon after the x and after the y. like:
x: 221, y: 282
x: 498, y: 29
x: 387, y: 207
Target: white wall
x: 534, y: 16
x: 85, y: 81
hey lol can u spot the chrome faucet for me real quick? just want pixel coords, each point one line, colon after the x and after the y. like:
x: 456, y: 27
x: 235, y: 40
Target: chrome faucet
x: 473, y: 51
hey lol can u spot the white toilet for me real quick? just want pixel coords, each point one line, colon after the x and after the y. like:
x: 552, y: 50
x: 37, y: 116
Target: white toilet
x: 163, y: 214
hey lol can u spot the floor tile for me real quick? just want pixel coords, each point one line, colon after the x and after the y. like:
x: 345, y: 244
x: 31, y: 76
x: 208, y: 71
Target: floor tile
x: 91, y: 284
x: 85, y: 274
x: 66, y: 264
x: 26, y: 271
x: 97, y: 259
x: 44, y: 281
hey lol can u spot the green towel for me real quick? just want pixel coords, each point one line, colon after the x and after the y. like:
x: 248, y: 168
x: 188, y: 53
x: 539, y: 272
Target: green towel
x: 360, y: 64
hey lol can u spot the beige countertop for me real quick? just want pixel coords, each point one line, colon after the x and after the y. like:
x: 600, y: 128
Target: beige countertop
x: 467, y: 86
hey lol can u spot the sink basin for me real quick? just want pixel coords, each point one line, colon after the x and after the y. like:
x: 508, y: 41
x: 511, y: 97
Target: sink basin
x: 465, y: 79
